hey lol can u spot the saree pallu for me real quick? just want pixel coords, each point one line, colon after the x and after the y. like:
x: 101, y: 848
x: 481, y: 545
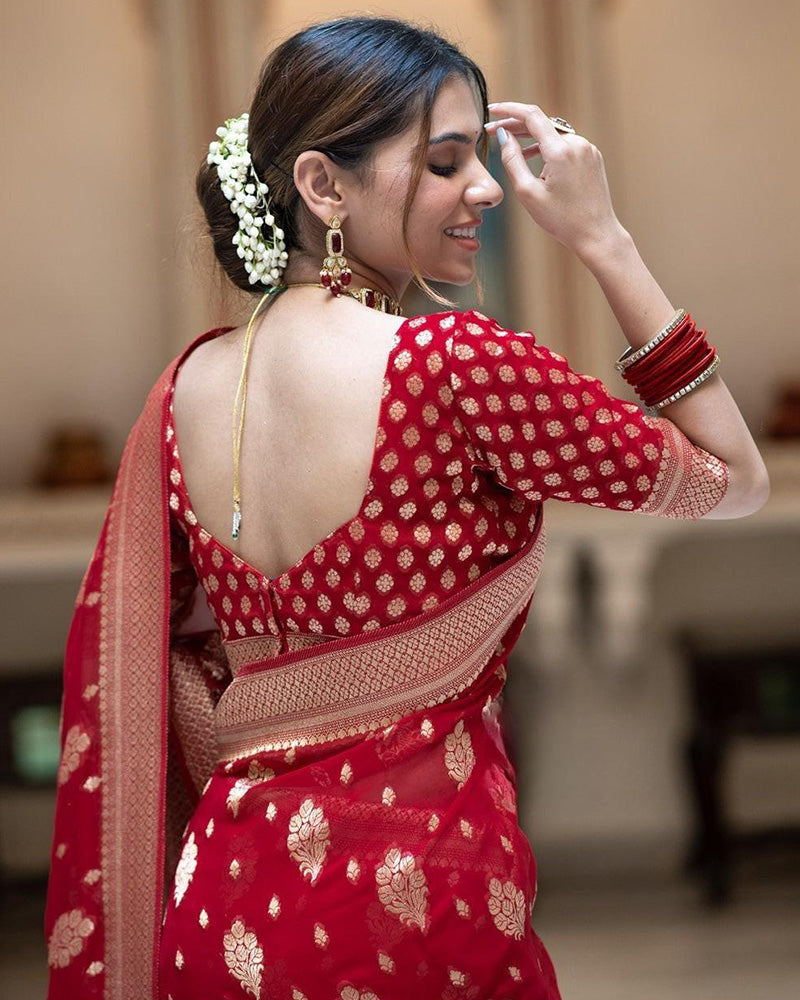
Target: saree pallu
x: 359, y: 837
x: 338, y: 821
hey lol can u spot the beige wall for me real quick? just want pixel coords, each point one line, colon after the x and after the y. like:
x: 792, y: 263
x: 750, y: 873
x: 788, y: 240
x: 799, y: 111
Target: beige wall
x: 79, y: 268
x: 706, y: 170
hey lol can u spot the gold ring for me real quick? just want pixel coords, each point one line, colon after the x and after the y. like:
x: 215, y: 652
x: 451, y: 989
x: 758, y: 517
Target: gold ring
x: 562, y: 125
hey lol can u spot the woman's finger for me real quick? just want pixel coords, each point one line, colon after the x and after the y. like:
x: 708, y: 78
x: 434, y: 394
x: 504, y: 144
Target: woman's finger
x: 525, y: 183
x: 536, y: 121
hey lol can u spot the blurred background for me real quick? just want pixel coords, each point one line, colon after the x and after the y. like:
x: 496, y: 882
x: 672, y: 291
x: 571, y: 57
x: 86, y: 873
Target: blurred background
x: 653, y: 702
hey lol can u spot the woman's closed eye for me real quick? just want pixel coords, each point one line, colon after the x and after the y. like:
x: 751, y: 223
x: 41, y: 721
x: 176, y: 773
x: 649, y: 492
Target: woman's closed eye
x: 443, y: 171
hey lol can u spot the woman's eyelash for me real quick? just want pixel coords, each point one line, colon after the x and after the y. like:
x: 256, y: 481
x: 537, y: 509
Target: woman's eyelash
x: 443, y: 171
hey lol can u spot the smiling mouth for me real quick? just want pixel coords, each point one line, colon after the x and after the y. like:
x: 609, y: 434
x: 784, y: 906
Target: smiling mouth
x: 466, y: 232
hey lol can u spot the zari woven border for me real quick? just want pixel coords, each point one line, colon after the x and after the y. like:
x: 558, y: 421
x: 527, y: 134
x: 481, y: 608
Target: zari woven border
x: 357, y: 684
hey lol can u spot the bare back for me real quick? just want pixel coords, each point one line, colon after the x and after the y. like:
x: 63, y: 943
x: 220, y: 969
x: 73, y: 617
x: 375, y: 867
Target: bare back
x: 315, y: 381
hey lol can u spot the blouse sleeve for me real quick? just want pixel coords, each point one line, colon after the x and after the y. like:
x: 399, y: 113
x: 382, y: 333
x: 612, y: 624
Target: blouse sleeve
x: 549, y: 432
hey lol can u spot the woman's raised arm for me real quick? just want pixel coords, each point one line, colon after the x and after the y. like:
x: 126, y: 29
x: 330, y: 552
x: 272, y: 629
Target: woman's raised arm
x: 570, y: 200
x: 708, y: 415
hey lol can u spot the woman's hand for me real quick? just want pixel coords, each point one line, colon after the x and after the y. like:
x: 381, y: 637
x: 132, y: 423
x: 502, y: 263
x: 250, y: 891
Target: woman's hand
x: 570, y: 199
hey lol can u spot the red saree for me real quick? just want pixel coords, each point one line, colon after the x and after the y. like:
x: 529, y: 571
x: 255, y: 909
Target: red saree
x: 315, y: 800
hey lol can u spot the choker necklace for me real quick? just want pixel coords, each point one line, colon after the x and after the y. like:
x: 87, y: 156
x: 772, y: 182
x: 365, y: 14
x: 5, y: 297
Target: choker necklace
x: 371, y: 297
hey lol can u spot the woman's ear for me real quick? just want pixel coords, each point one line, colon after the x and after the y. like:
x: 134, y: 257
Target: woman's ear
x: 319, y: 182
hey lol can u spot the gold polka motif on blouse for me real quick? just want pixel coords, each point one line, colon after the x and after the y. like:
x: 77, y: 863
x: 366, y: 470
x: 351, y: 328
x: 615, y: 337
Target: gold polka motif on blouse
x: 309, y: 839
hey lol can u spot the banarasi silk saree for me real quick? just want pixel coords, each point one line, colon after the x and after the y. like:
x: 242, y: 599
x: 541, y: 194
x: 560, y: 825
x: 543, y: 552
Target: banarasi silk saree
x: 314, y: 799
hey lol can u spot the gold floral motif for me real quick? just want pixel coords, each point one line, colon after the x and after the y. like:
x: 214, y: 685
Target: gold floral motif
x: 68, y: 937
x: 388, y: 796
x: 346, y: 774
x: 274, y: 908
x: 386, y: 963
x: 309, y: 839
x: 353, y: 870
x: 298, y: 994
x: 186, y: 868
x: 244, y: 958
x: 507, y: 907
x: 61, y: 850
x: 209, y: 827
x: 92, y: 783
x: 433, y: 822
x: 515, y: 974
x: 459, y: 756
x: 179, y: 959
x: 76, y: 743
x: 95, y: 969
x: 321, y: 938
x: 466, y: 829
x: 508, y: 847
x: 462, y: 908
x: 256, y: 773
x: 403, y: 888
x: 234, y: 869
x: 203, y: 919
x: 458, y: 978
x: 351, y: 993
x: 271, y: 811
x: 90, y: 691
x: 92, y: 876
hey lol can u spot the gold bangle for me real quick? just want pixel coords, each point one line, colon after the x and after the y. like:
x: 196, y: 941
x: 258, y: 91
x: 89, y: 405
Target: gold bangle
x: 626, y: 358
x: 692, y: 385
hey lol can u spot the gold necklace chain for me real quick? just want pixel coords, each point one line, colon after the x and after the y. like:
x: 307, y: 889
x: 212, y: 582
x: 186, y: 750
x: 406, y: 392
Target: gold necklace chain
x: 373, y: 298
x: 370, y: 297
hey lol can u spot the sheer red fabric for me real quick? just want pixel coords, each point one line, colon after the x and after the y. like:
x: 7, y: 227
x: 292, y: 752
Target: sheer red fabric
x: 320, y: 786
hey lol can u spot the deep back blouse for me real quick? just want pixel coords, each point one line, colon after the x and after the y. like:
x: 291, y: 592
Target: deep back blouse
x: 478, y: 426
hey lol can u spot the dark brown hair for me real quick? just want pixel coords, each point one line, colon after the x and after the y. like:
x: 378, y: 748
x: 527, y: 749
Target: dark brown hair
x: 338, y: 87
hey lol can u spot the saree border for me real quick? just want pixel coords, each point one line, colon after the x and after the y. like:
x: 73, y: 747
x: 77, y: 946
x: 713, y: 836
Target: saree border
x: 133, y: 699
x: 380, y: 676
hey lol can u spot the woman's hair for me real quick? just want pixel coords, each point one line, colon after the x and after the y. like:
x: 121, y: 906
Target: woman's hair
x: 337, y: 87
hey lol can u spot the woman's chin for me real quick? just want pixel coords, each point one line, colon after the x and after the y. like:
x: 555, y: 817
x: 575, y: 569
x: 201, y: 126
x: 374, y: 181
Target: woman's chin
x: 454, y: 276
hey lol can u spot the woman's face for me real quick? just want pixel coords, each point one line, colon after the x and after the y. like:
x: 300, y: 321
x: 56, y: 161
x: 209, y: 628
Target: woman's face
x: 455, y: 189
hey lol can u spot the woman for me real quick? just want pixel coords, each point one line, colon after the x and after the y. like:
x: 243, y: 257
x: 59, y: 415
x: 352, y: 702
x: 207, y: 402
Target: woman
x: 307, y: 794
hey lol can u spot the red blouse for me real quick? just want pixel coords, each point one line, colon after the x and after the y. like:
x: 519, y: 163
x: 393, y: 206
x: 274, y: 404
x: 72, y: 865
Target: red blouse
x: 478, y: 426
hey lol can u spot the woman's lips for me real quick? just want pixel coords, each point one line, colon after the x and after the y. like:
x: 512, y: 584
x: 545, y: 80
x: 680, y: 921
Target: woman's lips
x: 468, y: 242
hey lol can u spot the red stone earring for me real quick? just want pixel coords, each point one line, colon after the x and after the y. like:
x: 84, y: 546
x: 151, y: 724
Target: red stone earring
x: 335, y: 274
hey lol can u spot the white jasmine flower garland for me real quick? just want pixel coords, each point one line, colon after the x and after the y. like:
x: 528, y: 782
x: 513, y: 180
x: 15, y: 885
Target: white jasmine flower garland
x: 264, y: 259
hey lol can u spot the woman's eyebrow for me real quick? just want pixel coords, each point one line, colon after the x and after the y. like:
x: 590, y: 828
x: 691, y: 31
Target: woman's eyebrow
x: 455, y: 136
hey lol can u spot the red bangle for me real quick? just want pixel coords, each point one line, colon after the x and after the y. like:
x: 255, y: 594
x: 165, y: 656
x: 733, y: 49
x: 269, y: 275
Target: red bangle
x: 689, y: 359
x: 692, y: 367
x: 667, y: 390
x: 660, y: 355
